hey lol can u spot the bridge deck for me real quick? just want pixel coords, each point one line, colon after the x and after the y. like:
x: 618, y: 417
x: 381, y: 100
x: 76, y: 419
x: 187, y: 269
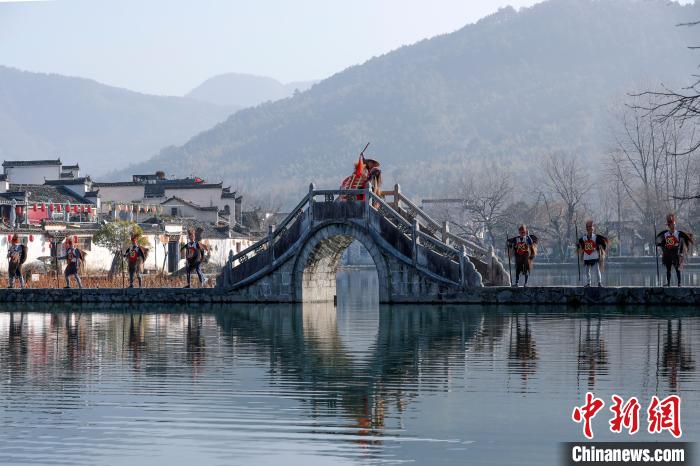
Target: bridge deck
x: 686, y: 296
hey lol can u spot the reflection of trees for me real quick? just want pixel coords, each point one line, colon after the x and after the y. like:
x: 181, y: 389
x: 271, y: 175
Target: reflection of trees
x: 676, y: 357
x: 522, y: 351
x: 592, y: 353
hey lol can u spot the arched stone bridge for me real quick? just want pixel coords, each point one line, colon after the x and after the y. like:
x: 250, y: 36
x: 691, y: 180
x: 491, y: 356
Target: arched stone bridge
x: 416, y: 258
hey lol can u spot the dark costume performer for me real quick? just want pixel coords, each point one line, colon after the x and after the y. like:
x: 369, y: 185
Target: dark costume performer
x: 73, y: 257
x: 674, y: 243
x: 17, y: 255
x: 592, y: 247
x: 194, y: 255
x: 524, y: 247
x: 136, y: 256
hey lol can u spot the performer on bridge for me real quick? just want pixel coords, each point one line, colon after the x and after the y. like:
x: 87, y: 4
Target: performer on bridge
x: 136, y: 256
x: 73, y: 257
x: 592, y: 248
x: 366, y: 171
x: 17, y: 255
x: 524, y: 247
x: 194, y: 254
x: 674, y: 243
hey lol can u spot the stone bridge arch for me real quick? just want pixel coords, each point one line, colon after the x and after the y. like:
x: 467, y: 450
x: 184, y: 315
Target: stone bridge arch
x: 316, y: 265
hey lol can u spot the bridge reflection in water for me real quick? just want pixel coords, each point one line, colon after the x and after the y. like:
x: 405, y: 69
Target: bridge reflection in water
x: 254, y: 384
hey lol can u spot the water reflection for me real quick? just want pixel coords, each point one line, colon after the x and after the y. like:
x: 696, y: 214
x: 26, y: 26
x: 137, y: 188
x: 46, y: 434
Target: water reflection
x: 357, y: 384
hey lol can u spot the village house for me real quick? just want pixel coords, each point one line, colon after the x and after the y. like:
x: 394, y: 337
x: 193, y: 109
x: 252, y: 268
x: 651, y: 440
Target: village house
x: 45, y: 202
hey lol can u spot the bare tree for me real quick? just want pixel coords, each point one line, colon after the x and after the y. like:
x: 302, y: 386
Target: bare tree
x: 486, y: 194
x: 565, y: 187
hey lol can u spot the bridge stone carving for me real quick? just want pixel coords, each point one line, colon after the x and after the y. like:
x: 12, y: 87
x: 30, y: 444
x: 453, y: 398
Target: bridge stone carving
x: 417, y: 259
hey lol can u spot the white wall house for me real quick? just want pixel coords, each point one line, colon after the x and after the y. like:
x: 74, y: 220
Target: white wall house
x: 176, y: 207
x: 121, y: 192
x: 32, y: 171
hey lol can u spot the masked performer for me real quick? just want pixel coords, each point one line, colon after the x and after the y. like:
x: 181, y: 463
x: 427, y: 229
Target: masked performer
x: 73, y: 257
x: 17, y: 255
x: 674, y: 243
x: 136, y: 256
x: 592, y: 248
x: 524, y: 247
x: 194, y: 254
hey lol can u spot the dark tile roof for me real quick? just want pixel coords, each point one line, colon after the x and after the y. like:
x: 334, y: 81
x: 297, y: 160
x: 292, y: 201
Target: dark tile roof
x: 194, y: 206
x: 70, y: 181
x: 190, y: 185
x: 71, y: 167
x: 116, y: 184
x: 46, y: 193
x: 27, y: 163
x: 3, y: 177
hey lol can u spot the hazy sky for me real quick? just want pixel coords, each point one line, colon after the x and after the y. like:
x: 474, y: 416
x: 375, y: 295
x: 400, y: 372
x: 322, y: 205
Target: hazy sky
x: 170, y: 46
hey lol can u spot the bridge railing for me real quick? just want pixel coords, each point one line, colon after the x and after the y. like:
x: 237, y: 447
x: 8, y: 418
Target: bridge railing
x: 428, y: 223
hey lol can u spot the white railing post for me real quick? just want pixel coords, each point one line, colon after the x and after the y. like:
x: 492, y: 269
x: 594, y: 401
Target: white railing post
x: 368, y: 190
x: 311, y: 202
x: 445, y: 232
x: 397, y: 195
x: 270, y: 243
x: 414, y: 237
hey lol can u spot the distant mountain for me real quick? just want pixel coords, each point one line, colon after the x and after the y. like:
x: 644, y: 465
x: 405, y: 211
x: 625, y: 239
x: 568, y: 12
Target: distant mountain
x: 509, y: 89
x: 245, y: 90
x: 43, y: 116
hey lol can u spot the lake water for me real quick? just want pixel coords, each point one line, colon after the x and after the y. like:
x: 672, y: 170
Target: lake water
x: 360, y: 384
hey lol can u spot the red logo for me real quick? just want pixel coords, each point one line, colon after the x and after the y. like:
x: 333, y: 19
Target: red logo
x: 589, y: 246
x: 521, y: 248
x: 671, y: 242
x: 626, y: 415
x: 665, y: 415
x: 662, y: 415
x: 587, y: 412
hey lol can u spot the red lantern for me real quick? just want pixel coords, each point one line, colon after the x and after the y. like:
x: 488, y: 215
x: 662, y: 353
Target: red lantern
x: 31, y: 237
x: 89, y: 209
x: 75, y: 239
x: 34, y: 207
x: 51, y: 207
x: 43, y: 207
x: 75, y: 209
x: 82, y: 208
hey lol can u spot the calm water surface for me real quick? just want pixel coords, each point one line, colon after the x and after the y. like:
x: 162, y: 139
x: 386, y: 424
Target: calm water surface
x: 305, y: 385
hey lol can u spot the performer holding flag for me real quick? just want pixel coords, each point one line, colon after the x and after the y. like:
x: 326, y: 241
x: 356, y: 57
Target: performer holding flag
x: 524, y: 247
x: 592, y: 248
x: 674, y: 243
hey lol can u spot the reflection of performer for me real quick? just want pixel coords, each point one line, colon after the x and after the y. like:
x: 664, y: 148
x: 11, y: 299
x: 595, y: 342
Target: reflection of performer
x: 592, y: 353
x: 524, y: 247
x: 17, y: 255
x: 592, y: 248
x: 136, y: 256
x: 674, y: 244
x: 676, y: 356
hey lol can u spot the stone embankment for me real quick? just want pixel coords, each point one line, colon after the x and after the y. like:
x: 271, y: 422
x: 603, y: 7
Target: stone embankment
x: 571, y: 296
